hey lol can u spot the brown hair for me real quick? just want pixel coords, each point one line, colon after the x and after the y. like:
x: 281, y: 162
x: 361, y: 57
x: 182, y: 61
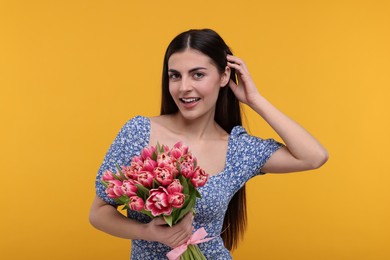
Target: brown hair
x: 227, y: 114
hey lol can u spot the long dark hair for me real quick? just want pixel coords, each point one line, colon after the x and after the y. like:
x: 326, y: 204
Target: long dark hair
x: 227, y: 114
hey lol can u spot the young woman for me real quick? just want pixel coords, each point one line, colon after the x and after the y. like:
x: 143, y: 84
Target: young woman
x: 200, y: 107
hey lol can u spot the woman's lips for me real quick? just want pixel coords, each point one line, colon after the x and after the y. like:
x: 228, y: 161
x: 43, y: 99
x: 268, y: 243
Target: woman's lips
x: 189, y: 102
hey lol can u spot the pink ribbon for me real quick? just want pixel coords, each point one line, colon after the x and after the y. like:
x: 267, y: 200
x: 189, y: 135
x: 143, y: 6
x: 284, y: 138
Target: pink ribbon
x: 196, y: 238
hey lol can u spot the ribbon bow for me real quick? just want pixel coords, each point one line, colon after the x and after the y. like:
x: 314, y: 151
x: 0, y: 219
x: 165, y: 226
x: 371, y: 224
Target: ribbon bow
x: 196, y: 238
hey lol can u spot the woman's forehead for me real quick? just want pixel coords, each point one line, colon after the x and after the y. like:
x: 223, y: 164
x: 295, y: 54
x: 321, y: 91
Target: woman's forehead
x: 189, y: 58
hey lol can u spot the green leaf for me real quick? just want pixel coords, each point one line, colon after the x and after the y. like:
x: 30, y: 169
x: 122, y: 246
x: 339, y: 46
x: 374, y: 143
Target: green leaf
x: 142, y: 192
x: 148, y: 213
x: 123, y: 177
x: 155, y: 184
x: 198, y: 194
x: 197, y: 254
x: 192, y: 250
x: 104, y: 183
x: 175, y: 214
x: 122, y: 199
x: 162, y: 149
x: 184, y: 182
x: 191, y: 188
x: 159, y: 148
x: 154, y: 156
x: 185, y: 255
x: 168, y: 219
x: 116, y: 177
x: 189, y: 204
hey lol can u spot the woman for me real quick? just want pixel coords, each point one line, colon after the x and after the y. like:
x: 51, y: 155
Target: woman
x: 200, y: 107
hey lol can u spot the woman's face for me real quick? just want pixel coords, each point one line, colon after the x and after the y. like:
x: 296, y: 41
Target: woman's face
x: 194, y: 83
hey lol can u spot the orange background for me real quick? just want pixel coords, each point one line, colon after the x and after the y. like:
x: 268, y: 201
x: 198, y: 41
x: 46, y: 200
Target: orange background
x: 73, y: 72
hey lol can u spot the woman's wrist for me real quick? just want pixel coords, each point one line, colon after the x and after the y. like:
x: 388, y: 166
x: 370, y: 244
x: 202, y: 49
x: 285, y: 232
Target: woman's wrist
x: 143, y: 232
x: 258, y: 103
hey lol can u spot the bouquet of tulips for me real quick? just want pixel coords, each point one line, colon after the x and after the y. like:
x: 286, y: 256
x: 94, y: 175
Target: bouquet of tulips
x: 161, y: 182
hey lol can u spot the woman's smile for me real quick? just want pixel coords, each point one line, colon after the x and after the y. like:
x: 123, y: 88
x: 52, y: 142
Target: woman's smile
x: 189, y: 103
x: 194, y: 83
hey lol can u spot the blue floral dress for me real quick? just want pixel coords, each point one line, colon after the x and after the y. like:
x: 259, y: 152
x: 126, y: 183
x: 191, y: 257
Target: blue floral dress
x: 245, y: 156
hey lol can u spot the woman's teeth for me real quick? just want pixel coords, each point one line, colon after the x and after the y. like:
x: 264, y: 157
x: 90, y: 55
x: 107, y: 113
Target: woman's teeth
x: 189, y: 100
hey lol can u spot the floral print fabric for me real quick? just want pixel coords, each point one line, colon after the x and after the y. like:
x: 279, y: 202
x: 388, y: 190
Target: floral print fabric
x: 245, y: 156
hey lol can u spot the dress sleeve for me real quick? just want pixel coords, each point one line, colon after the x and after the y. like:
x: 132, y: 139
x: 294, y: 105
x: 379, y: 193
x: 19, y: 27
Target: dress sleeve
x: 253, y: 152
x: 128, y: 143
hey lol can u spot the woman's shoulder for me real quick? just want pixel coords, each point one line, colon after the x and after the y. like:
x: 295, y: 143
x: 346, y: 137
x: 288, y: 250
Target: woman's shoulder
x: 162, y: 123
x: 238, y: 131
x: 138, y: 119
x: 241, y: 136
x: 160, y: 119
x: 137, y: 124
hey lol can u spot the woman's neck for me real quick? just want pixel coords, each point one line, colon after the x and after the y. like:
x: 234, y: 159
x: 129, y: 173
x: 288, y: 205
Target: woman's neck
x: 201, y: 128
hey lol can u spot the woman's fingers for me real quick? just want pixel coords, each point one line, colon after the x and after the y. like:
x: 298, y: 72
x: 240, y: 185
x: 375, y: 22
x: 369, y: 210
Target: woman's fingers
x: 159, y: 222
x: 236, y: 63
x: 245, y: 90
x: 181, y: 237
x: 176, y: 235
x: 183, y: 229
x: 234, y: 59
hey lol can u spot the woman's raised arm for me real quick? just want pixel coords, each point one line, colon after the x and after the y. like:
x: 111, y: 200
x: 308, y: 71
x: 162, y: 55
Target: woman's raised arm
x: 302, y: 151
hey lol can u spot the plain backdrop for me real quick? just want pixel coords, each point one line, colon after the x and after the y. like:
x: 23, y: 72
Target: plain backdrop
x: 73, y: 72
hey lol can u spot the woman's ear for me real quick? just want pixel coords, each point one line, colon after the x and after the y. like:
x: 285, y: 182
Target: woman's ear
x: 225, y: 77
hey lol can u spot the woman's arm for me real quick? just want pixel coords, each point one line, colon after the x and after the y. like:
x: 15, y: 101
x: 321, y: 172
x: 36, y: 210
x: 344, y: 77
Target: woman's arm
x: 108, y: 219
x: 302, y: 151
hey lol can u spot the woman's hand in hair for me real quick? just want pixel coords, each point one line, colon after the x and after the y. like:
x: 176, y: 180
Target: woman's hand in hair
x: 302, y: 151
x: 245, y: 91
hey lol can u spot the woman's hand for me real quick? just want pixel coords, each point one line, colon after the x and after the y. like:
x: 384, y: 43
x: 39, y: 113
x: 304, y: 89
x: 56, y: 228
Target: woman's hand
x: 173, y: 236
x: 302, y: 151
x: 245, y: 91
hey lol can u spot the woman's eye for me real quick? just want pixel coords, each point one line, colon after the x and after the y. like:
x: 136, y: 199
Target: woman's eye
x: 174, y: 76
x: 198, y: 75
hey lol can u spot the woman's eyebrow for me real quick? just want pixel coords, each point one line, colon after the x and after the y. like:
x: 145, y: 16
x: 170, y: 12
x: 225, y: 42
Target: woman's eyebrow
x: 197, y: 68
x: 191, y: 70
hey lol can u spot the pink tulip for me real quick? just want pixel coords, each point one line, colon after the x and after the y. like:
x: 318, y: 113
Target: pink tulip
x: 176, y: 199
x: 174, y: 187
x: 176, y: 153
x: 114, y: 189
x: 136, y: 203
x: 132, y: 171
x: 164, y: 175
x: 128, y: 171
x: 149, y: 165
x: 187, y: 166
x: 158, y: 202
x: 137, y: 160
x: 179, y: 149
x: 147, y: 152
x: 164, y: 160
x: 108, y: 175
x: 199, y: 178
x: 128, y: 187
x: 145, y: 178
x: 182, y: 147
x: 165, y: 148
x: 187, y: 170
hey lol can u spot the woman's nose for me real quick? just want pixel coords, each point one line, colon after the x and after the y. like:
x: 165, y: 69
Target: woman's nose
x: 186, y: 84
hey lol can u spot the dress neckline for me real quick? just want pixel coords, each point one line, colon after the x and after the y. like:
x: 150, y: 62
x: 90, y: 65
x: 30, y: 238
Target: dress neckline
x: 210, y: 175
